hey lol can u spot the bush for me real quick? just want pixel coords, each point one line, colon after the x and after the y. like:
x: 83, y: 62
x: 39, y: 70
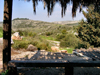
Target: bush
x: 43, y: 45
x: 64, y: 31
x: 69, y: 41
x: 83, y: 45
x: 20, y: 44
x: 39, y: 43
x: 48, y: 33
x: 60, y: 36
x: 31, y: 34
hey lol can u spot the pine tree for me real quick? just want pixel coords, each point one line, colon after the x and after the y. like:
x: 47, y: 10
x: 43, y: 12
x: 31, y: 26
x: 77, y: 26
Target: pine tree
x: 89, y: 30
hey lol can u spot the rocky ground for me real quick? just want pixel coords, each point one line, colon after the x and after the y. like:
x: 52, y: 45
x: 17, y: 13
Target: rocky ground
x: 93, y: 53
x: 43, y: 55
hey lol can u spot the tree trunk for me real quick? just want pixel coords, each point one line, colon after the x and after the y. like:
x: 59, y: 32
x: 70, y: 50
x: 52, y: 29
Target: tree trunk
x: 7, y: 33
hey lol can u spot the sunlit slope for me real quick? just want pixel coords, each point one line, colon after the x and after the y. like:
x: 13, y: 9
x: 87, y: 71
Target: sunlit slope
x: 40, y: 26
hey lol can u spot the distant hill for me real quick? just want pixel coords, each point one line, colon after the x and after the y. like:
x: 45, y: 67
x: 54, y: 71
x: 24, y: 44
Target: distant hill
x: 41, y: 26
x: 66, y: 22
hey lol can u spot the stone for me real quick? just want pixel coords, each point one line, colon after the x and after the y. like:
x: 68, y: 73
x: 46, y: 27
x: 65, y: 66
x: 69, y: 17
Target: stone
x: 12, y: 42
x: 58, y: 44
x: 55, y: 49
x: 32, y: 48
x: 1, y: 40
x: 16, y: 36
x: 63, y: 51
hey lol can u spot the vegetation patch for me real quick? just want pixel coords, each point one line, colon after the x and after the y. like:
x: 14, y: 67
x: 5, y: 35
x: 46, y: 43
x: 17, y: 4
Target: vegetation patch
x: 1, y: 32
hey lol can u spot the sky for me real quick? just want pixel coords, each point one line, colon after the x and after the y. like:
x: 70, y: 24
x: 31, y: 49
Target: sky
x: 24, y: 9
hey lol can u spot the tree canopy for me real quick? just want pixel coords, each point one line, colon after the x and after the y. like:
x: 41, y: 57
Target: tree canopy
x: 89, y: 30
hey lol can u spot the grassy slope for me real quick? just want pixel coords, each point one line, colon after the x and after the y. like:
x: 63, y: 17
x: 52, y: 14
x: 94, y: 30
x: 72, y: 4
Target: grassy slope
x: 38, y: 26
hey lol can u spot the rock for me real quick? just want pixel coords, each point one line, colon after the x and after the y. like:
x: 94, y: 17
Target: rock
x: 32, y: 48
x: 78, y: 54
x: 55, y: 49
x: 12, y: 42
x: 63, y: 51
x: 16, y: 36
x: 42, y: 50
x: 58, y: 45
x: 1, y: 40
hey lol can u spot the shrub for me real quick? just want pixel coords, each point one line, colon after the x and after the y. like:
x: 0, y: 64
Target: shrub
x: 39, y: 43
x: 83, y: 45
x: 43, y: 45
x: 70, y: 40
x: 63, y: 31
x: 31, y: 34
x: 1, y: 32
x: 60, y: 36
x: 20, y: 44
x: 48, y: 33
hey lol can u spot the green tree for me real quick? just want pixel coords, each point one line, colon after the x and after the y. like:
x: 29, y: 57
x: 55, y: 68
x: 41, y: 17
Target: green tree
x: 89, y: 30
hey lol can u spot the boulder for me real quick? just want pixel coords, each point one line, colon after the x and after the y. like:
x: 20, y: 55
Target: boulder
x: 55, y: 49
x: 32, y: 48
x: 63, y: 51
x: 1, y: 40
x: 12, y: 42
x: 16, y: 36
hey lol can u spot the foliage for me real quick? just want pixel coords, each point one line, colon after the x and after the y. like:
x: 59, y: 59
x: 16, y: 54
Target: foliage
x: 21, y: 19
x: 5, y: 73
x: 69, y: 50
x: 48, y: 37
x: 1, y: 32
x: 44, y: 45
x: 60, y: 36
x: 89, y: 31
x: 20, y: 44
x: 26, y: 33
x: 64, y: 31
x: 82, y: 44
x: 39, y: 43
x: 70, y: 40
x: 48, y: 33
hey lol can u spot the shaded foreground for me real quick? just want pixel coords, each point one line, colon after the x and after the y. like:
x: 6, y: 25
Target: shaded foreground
x: 18, y: 55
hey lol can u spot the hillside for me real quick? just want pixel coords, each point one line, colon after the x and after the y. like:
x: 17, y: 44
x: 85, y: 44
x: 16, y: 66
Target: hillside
x: 67, y: 22
x: 40, y: 26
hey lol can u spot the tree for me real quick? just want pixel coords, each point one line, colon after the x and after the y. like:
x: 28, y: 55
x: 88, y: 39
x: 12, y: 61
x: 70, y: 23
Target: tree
x: 89, y: 30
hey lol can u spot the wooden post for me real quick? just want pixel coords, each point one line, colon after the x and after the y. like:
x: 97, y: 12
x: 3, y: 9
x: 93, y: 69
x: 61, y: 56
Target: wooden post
x: 7, y: 33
